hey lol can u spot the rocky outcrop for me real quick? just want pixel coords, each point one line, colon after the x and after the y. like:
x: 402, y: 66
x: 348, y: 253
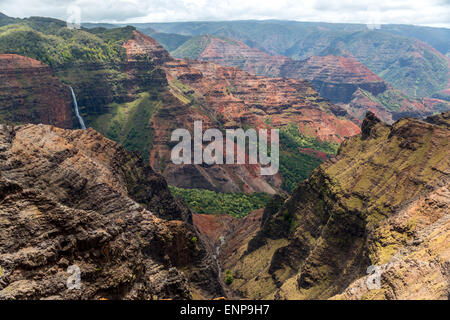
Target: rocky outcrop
x: 442, y: 119
x: 30, y: 93
x: 231, y: 53
x: 382, y: 202
x: 336, y: 78
x: 74, y: 200
x: 141, y: 45
x: 368, y: 125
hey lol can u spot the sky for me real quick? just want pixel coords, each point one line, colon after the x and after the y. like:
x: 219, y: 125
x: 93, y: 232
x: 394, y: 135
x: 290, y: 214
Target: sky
x: 435, y: 13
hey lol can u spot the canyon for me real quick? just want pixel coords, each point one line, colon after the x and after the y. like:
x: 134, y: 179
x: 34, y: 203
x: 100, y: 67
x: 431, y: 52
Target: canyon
x: 361, y: 185
x: 135, y: 93
x: 341, y: 79
x: 101, y: 208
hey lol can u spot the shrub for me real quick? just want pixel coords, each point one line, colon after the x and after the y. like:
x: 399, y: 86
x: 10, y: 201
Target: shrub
x: 228, y: 278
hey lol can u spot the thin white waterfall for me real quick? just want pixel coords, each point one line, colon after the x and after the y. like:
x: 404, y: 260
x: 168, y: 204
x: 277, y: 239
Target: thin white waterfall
x: 77, y: 112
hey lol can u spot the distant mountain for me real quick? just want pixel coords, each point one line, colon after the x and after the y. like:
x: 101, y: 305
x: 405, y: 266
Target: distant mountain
x: 407, y: 63
x: 342, y: 80
x: 170, y: 41
x: 4, y: 19
x: 346, y: 81
x: 230, y: 52
x: 435, y: 37
x: 266, y: 31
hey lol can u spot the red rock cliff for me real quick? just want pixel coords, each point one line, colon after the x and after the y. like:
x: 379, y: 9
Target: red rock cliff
x: 29, y: 93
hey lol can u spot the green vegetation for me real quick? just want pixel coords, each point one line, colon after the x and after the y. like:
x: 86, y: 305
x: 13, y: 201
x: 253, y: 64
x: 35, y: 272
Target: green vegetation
x: 392, y: 99
x: 116, y: 35
x: 430, y: 74
x: 192, y: 48
x: 293, y: 139
x: 169, y: 41
x: 129, y: 123
x: 296, y: 166
x: 62, y: 47
x: 209, y: 202
x: 228, y: 278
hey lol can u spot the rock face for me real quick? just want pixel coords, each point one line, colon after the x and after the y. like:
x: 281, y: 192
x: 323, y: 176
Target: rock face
x: 75, y: 198
x: 368, y: 124
x: 336, y: 78
x: 231, y: 53
x: 225, y: 234
x: 421, y: 268
x: 142, y: 45
x: 30, y: 93
x: 383, y: 201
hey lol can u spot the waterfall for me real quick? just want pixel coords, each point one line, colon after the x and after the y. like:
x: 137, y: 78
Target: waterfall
x: 77, y: 112
x: 216, y: 256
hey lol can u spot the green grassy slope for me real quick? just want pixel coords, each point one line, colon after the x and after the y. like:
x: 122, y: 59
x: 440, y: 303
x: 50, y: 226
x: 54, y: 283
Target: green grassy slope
x: 192, y: 48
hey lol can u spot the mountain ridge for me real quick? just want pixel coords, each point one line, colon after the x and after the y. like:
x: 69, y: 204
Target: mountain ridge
x: 377, y: 49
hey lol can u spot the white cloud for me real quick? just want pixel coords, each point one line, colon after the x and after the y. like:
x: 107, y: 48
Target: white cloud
x: 432, y: 12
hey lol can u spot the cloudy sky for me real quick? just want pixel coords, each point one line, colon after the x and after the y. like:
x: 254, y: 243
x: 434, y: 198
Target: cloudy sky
x: 420, y: 12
